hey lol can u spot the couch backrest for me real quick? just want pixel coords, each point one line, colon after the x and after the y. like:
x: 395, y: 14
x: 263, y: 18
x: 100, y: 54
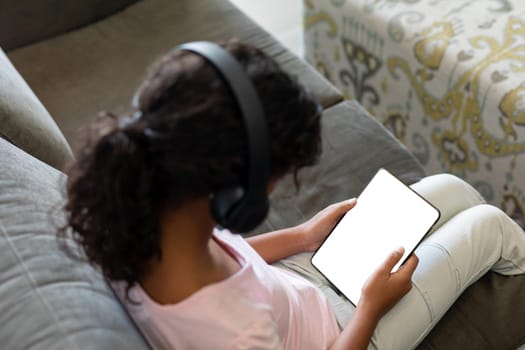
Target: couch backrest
x: 47, y: 299
x: 28, y: 21
x: 25, y: 122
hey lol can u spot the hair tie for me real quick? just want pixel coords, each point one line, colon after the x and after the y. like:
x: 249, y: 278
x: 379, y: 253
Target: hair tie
x: 150, y: 133
x: 129, y: 120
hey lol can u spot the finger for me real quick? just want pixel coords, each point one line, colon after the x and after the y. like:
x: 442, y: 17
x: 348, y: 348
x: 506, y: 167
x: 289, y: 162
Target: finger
x: 341, y: 208
x: 392, y: 260
x: 405, y: 273
x: 410, y: 265
x: 351, y: 202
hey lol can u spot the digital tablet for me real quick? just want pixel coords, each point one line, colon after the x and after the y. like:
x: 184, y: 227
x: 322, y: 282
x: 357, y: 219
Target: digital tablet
x: 388, y: 215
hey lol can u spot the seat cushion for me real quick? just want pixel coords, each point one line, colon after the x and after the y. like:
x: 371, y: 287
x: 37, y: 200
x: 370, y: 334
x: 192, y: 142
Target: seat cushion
x: 47, y: 299
x: 25, y: 122
x: 99, y: 66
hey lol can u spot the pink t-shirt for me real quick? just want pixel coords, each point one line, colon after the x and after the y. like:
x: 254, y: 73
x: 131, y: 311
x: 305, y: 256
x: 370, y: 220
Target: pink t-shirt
x: 259, y: 307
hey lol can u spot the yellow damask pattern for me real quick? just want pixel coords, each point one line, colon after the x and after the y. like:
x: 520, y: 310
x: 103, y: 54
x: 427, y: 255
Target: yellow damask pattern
x: 462, y: 103
x: 446, y: 77
x: 431, y: 49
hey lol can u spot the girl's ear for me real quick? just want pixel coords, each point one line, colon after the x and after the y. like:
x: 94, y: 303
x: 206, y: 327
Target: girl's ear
x: 272, y: 183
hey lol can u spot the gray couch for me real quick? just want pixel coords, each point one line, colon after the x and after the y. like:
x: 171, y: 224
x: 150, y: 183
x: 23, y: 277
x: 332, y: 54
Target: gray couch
x: 81, y: 57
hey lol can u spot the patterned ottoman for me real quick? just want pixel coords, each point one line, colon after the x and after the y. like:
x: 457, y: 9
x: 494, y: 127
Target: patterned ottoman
x: 446, y: 77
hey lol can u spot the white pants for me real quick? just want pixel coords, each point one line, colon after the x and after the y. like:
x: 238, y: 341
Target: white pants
x: 469, y: 239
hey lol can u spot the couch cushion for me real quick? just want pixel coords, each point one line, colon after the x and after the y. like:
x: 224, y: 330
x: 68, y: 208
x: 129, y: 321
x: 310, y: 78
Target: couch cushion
x: 99, y: 66
x: 48, y: 300
x: 355, y: 146
x: 25, y: 122
x: 489, y: 315
x: 24, y: 22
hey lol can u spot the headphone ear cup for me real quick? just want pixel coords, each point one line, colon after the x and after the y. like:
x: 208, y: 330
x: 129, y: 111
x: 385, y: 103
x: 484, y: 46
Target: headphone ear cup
x: 247, y: 214
x: 223, y: 203
x: 257, y: 212
x: 234, y: 210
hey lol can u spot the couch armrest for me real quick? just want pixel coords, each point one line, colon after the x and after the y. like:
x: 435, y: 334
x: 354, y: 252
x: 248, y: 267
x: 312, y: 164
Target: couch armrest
x: 25, y: 122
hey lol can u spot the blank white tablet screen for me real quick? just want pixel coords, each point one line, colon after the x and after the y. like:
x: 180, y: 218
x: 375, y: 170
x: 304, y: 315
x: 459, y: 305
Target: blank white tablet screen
x: 388, y: 215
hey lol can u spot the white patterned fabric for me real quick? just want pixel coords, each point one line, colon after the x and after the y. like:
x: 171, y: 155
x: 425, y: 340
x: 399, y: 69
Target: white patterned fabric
x: 446, y: 77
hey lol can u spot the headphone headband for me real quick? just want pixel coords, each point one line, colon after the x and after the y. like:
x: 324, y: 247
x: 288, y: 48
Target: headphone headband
x: 241, y: 209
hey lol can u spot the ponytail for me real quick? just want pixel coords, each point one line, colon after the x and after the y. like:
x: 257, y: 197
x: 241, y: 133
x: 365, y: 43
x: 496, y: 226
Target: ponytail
x: 111, y: 203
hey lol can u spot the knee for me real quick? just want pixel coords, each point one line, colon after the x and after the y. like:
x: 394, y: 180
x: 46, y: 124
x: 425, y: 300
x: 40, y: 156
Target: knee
x: 489, y: 215
x: 455, y: 186
x: 453, y: 181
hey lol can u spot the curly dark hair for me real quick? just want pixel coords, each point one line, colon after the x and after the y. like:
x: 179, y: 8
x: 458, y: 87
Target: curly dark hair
x: 185, y: 141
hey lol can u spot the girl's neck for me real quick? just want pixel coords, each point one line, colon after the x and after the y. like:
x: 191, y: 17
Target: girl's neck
x: 190, y: 258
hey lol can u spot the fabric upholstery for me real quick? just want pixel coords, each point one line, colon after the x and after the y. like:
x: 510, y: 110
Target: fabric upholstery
x: 447, y: 80
x: 25, y: 122
x: 25, y: 22
x: 100, y: 66
x: 47, y: 299
x: 355, y: 146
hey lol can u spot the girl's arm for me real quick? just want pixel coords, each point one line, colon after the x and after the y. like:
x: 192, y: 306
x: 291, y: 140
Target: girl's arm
x: 306, y: 237
x: 274, y: 246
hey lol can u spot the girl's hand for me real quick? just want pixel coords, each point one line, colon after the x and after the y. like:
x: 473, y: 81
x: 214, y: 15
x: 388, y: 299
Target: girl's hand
x: 276, y: 245
x: 315, y: 230
x: 383, y: 288
x: 382, y: 291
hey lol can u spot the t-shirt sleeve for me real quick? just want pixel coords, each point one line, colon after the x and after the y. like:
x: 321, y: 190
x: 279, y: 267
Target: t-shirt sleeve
x: 262, y: 334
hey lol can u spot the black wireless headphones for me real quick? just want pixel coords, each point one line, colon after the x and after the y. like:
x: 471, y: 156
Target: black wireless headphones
x: 243, y: 207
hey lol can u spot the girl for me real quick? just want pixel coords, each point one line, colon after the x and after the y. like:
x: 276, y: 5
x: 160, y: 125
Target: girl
x: 139, y: 204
